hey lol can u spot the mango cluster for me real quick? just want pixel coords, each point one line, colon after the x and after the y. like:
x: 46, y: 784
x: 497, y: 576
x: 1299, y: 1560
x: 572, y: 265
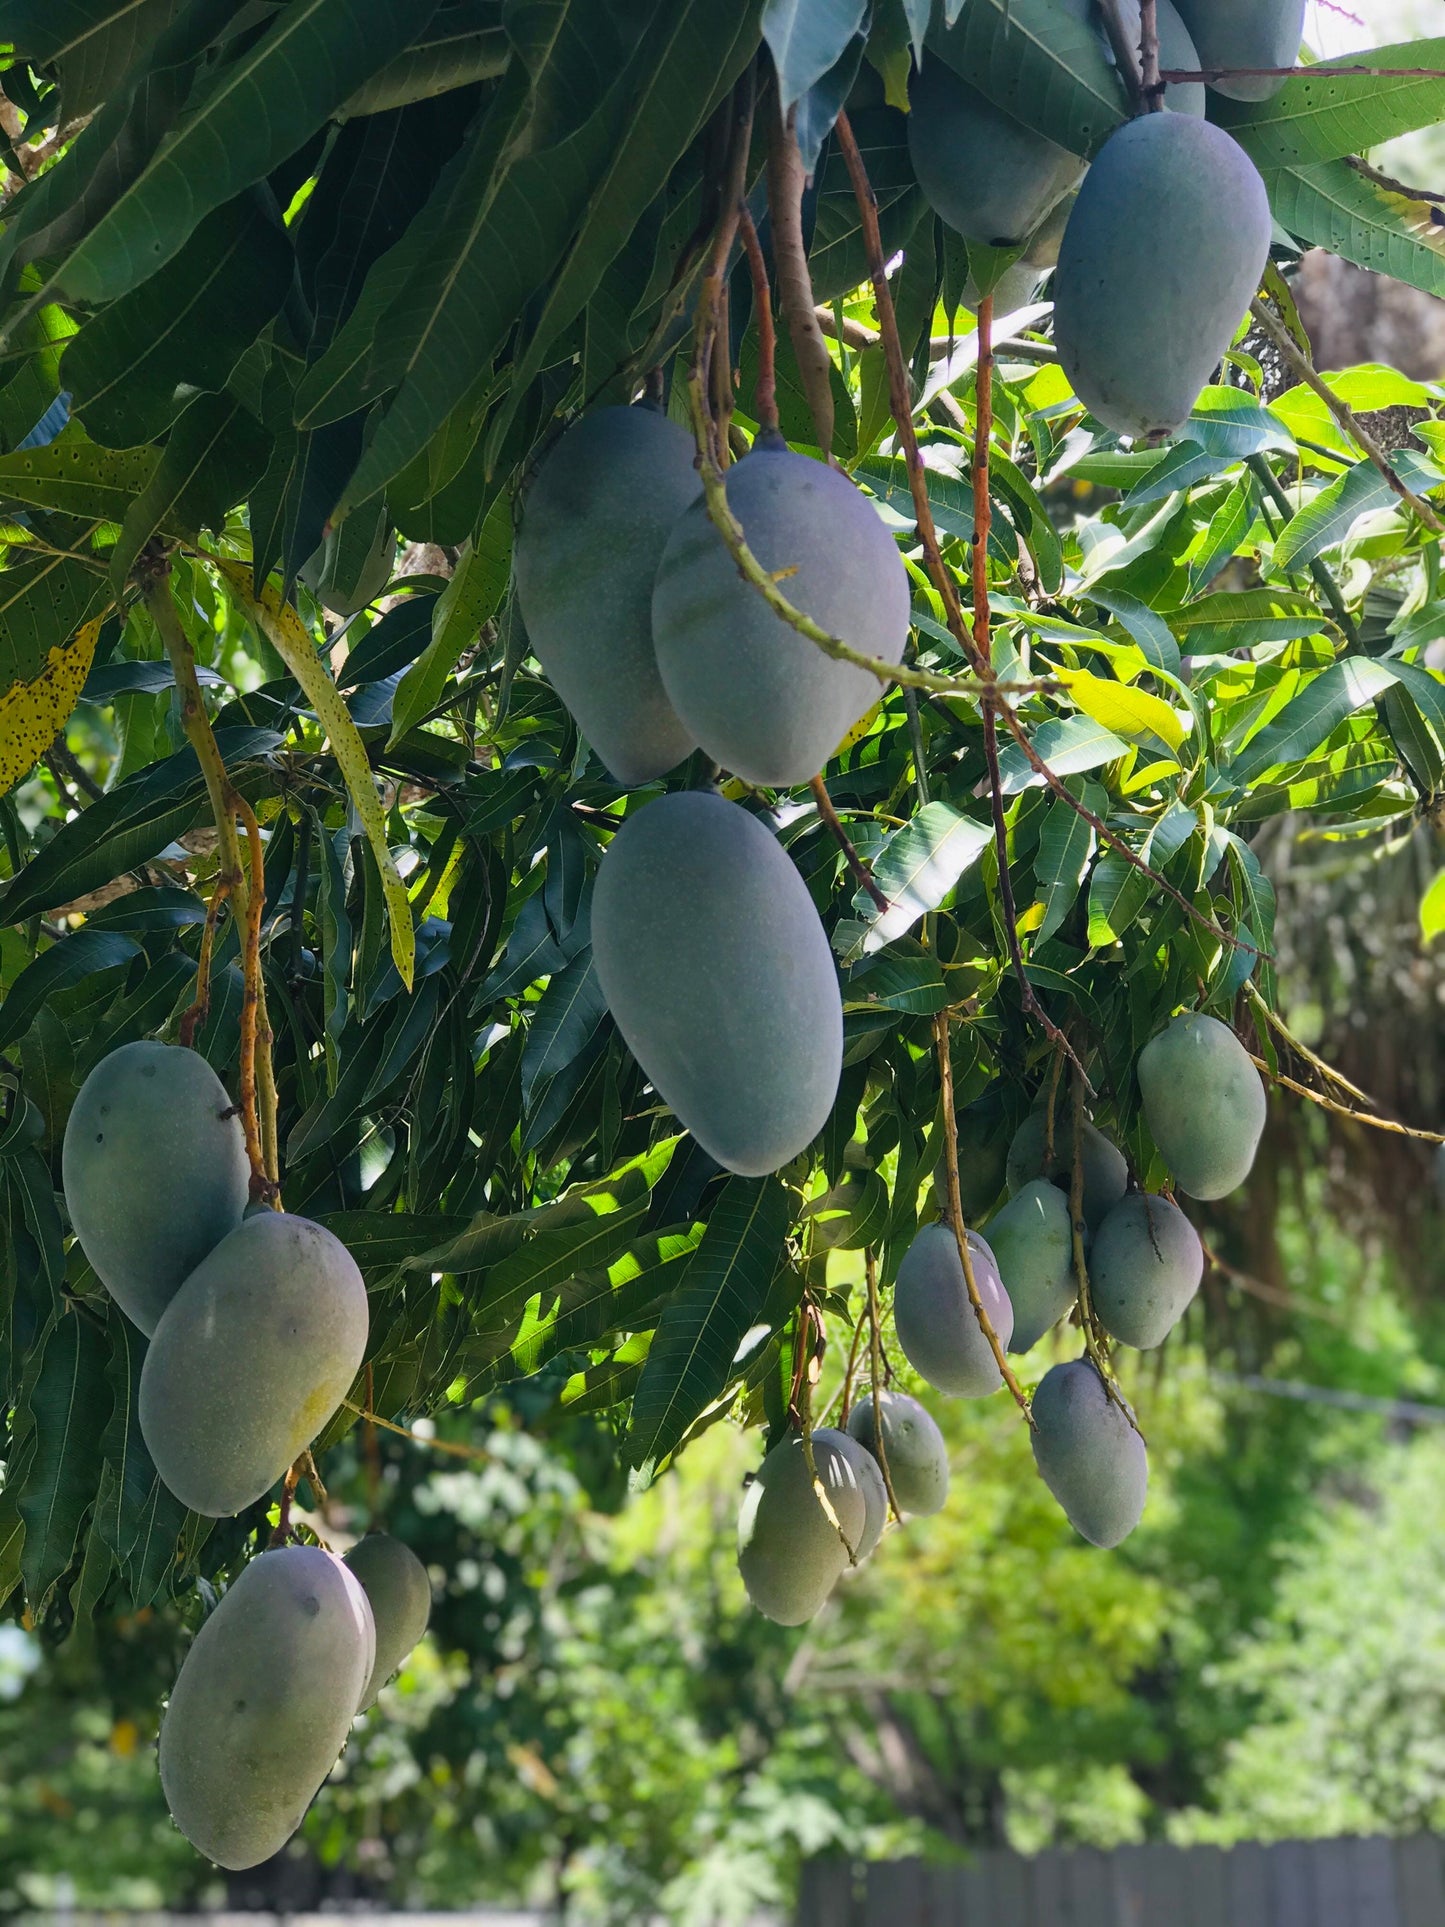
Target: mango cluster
x: 1204, y: 1105
x: 708, y: 948
x: 257, y: 1320
x: 1158, y: 246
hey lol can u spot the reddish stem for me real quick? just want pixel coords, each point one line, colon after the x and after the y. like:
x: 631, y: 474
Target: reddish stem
x: 765, y: 403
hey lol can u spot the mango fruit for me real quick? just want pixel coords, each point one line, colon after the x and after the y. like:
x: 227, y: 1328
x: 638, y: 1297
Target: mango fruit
x: 1204, y: 1104
x: 1144, y: 1269
x: 399, y: 1593
x: 935, y: 1319
x: 1106, y: 1173
x: 1088, y: 1454
x: 790, y: 1554
x: 915, y: 1449
x: 988, y: 176
x: 1033, y: 1244
x: 1245, y: 33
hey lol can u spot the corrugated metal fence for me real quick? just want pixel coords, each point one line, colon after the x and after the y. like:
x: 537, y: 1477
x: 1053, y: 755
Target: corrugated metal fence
x: 1372, y: 1882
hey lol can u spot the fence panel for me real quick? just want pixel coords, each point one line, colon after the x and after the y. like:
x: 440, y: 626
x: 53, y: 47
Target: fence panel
x: 1372, y: 1882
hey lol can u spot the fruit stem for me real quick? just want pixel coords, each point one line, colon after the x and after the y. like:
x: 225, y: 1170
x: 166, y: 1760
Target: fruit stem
x: 861, y: 873
x: 255, y: 1029
x: 1150, y: 85
x: 982, y: 502
x: 1343, y: 1110
x: 1125, y: 56
x: 478, y: 1453
x: 786, y: 181
x: 875, y: 1374
x: 709, y: 320
x: 196, y: 1012
x: 765, y: 403
x: 941, y: 1027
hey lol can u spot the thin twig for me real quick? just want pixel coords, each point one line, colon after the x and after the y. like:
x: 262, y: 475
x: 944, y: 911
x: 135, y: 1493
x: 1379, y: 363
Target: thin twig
x: 251, y: 1002
x: 1325, y: 70
x: 710, y: 295
x: 875, y: 1374
x: 1126, y: 55
x: 848, y: 1371
x: 861, y: 873
x: 1301, y: 365
x: 955, y: 1213
x: 1088, y: 1324
x: 1319, y: 572
x: 765, y: 403
x: 457, y: 1451
x: 1150, y: 84
x: 1343, y: 1110
x: 786, y: 182
x: 1277, y: 1023
x: 196, y: 1013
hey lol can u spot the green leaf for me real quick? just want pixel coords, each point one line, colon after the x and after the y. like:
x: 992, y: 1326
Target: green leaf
x: 1041, y: 63
x: 215, y: 452
x: 915, y: 870
x: 1066, y: 843
x: 90, y: 43
x: 703, y: 1326
x: 1327, y: 519
x: 136, y: 1518
x: 1310, y: 717
x: 569, y: 1015
x: 68, y: 1408
x: 131, y: 368
x: 72, y: 477
x: 75, y: 958
x: 806, y: 38
x: 469, y: 599
x: 242, y: 119
x: 1320, y: 115
x: 1432, y: 909
x: 1117, y: 893
x: 910, y: 981
x: 1341, y: 205
x: 1068, y: 744
x: 436, y: 61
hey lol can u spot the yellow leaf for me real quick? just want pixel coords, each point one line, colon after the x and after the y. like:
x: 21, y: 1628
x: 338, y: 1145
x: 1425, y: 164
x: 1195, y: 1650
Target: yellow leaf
x: 1138, y: 717
x: 287, y: 635
x: 1030, y: 919
x: 859, y: 730
x: 1432, y: 909
x: 32, y: 713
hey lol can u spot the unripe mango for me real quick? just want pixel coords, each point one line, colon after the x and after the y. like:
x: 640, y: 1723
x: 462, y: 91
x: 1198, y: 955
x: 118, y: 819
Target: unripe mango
x: 983, y: 1142
x: 761, y: 699
x: 250, y: 1359
x: 594, y: 524
x: 1106, y: 1173
x: 935, y: 1320
x: 155, y: 1172
x: 399, y: 1593
x: 1204, y: 1104
x: 987, y: 175
x: 263, y: 1703
x: 870, y: 1484
x: 719, y: 975
x: 1177, y: 53
x: 1033, y: 1243
x: 1144, y: 1269
x: 1165, y: 246
x: 1246, y: 33
x: 790, y: 1553
x: 915, y: 1449
x: 1088, y: 1454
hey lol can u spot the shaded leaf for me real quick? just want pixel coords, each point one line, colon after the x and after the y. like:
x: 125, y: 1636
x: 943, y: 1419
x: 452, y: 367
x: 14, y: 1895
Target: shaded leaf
x: 915, y: 870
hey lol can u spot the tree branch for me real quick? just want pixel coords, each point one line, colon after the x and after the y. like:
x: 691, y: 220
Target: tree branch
x: 790, y: 256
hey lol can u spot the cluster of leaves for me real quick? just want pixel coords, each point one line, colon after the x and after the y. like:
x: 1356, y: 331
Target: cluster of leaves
x: 317, y: 275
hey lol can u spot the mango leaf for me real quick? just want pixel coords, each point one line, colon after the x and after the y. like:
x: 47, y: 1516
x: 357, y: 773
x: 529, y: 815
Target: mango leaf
x: 213, y: 455
x: 287, y: 634
x: 1321, y: 115
x: 1041, y: 63
x: 703, y: 1325
x: 242, y: 119
x: 1068, y: 744
x: 469, y: 599
x: 1377, y: 223
x: 68, y: 1408
x: 89, y: 43
x: 571, y: 1012
x: 1145, y: 720
x: 1327, y: 519
x: 915, y: 870
x: 131, y: 366
x: 451, y: 53
x: 1432, y: 909
x: 78, y: 956
x: 1066, y: 843
x: 33, y: 707
x: 1310, y: 717
x: 806, y: 38
x: 73, y: 477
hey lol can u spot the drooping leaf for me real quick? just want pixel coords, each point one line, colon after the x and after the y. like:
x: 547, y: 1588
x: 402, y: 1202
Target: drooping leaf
x: 806, y: 38
x: 68, y: 1409
x: 1432, y: 909
x: 469, y: 599
x: 1305, y: 722
x: 915, y: 870
x: 1040, y: 62
x: 213, y: 455
x: 1068, y: 744
x: 72, y: 477
x: 89, y: 43
x: 571, y: 1012
x: 1065, y: 845
x: 1133, y: 714
x: 1321, y: 115
x: 1326, y: 520
x: 68, y: 962
x: 1343, y: 206
x: 718, y: 1302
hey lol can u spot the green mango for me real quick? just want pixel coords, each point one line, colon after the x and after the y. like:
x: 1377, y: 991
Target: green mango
x: 935, y: 1320
x: 1204, y: 1104
x: 762, y: 700
x: 1161, y: 255
x: 1245, y: 33
x: 155, y: 1172
x: 1088, y: 1454
x: 399, y: 1593
x: 593, y: 526
x: 915, y: 1449
x: 1106, y: 1173
x: 1144, y: 1270
x: 790, y: 1553
x: 250, y: 1359
x: 263, y: 1703
x: 988, y: 176
x: 719, y: 976
x: 1033, y: 1242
